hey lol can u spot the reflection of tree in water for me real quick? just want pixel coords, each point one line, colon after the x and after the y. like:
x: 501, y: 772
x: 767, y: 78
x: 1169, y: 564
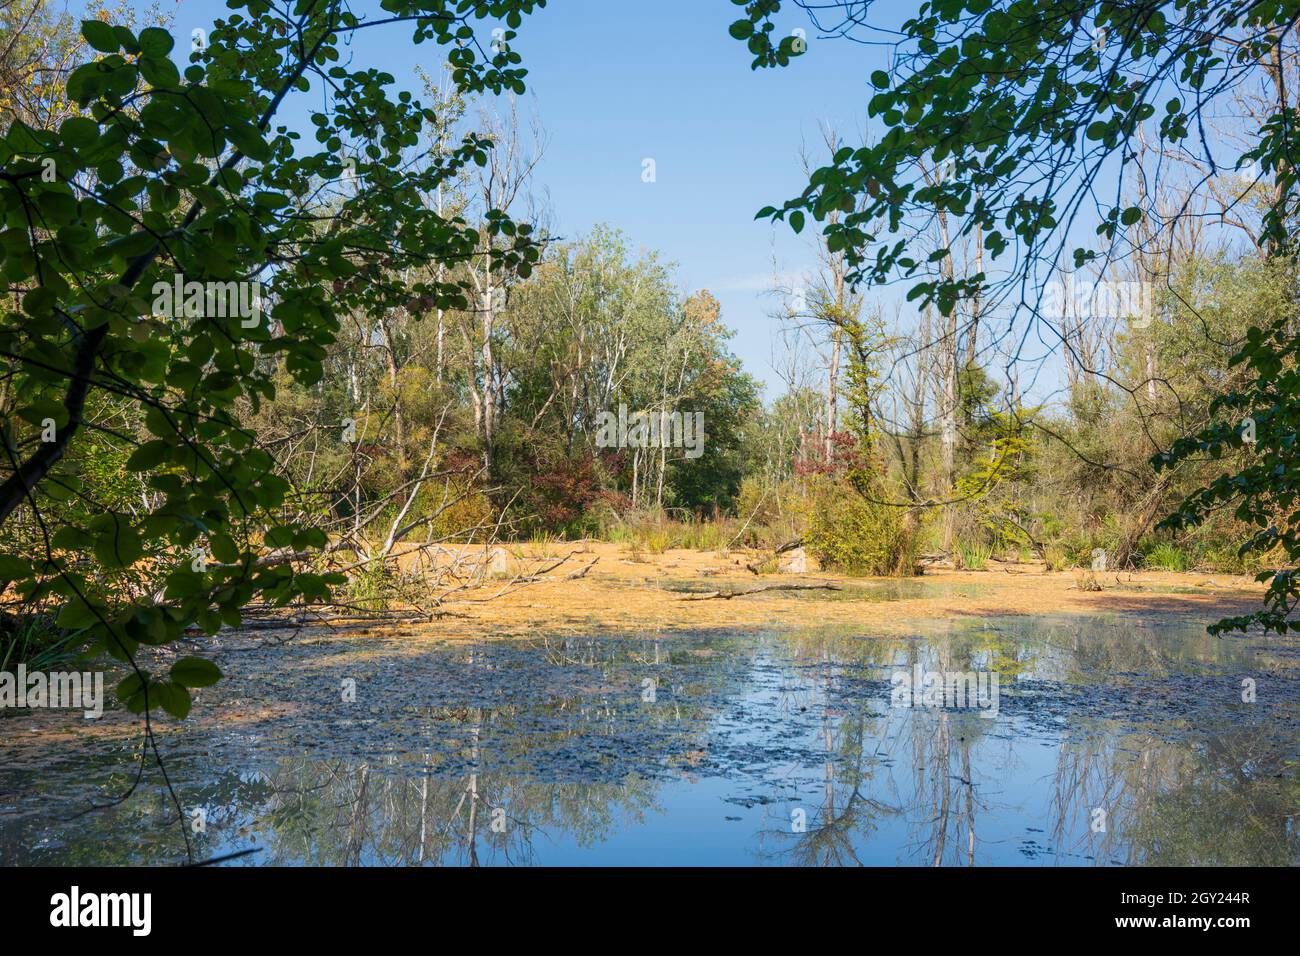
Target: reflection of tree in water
x: 941, y: 797
x: 1235, y: 806
x: 479, y: 811
x: 1095, y: 648
x: 1136, y: 773
x: 848, y: 811
x: 1167, y: 801
x: 501, y: 775
x: 364, y: 814
x: 1229, y: 800
x: 947, y: 796
x: 1138, y: 776
x: 489, y: 801
x: 400, y: 810
x: 574, y: 755
x: 953, y: 771
x: 138, y: 830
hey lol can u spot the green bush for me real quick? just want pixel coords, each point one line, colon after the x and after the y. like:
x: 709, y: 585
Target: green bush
x: 371, y: 586
x: 849, y: 533
x: 1080, y: 545
x: 1223, y: 557
x: 655, y: 532
x: 1167, y: 557
x: 770, y: 514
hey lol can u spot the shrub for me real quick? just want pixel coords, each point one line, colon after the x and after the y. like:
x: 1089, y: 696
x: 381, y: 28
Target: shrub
x: 850, y: 533
x: 1167, y: 557
x: 371, y: 586
x: 466, y: 512
x: 557, y: 495
x: 770, y: 514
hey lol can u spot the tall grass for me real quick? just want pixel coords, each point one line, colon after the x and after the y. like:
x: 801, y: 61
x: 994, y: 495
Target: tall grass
x: 658, y: 533
x: 1167, y: 557
x: 34, y: 640
x: 975, y: 556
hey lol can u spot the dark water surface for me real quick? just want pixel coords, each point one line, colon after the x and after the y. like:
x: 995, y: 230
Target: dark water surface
x: 1114, y: 743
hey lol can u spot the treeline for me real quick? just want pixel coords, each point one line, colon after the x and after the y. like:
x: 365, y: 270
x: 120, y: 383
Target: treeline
x: 918, y: 440
x: 512, y: 402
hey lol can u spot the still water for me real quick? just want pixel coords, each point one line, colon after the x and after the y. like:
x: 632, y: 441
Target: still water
x: 1113, y: 743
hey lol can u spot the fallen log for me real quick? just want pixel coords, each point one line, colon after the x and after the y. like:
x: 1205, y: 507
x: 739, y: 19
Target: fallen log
x: 581, y: 572
x: 755, y: 567
x: 728, y: 595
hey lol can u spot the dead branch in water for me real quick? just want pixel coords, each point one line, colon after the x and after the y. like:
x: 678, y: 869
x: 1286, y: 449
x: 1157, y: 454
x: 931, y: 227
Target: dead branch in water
x: 788, y: 546
x: 728, y: 595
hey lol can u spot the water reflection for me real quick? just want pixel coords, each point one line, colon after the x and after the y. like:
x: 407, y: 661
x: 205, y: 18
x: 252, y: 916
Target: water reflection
x: 1112, y: 745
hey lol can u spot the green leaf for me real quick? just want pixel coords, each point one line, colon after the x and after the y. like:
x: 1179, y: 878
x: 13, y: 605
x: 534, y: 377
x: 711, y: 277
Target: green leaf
x: 39, y: 302
x: 78, y: 131
x: 248, y: 140
x: 100, y: 36
x: 171, y: 697
x: 118, y: 545
x: 742, y: 29
x: 281, y: 536
x: 130, y: 687
x: 70, y: 538
x: 154, y: 41
x: 159, y: 71
x: 195, y: 672
x: 77, y: 614
x: 148, y: 456
x: 14, y: 568
x: 270, y: 200
x: 309, y: 538
x: 223, y: 549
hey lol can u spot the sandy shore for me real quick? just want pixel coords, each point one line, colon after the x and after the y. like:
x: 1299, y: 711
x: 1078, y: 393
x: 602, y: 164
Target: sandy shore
x: 624, y: 589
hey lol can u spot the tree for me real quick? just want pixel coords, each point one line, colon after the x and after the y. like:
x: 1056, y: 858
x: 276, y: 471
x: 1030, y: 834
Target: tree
x: 1034, y: 106
x: 170, y: 182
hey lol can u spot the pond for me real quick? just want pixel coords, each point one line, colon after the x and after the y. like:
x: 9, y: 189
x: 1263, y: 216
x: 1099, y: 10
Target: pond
x: 1104, y: 741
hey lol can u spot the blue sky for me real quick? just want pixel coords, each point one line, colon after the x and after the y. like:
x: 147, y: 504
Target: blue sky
x: 615, y: 82
x: 618, y: 81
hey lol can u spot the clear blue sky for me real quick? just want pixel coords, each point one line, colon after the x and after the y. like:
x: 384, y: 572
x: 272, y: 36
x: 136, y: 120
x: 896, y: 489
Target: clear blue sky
x: 617, y: 81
